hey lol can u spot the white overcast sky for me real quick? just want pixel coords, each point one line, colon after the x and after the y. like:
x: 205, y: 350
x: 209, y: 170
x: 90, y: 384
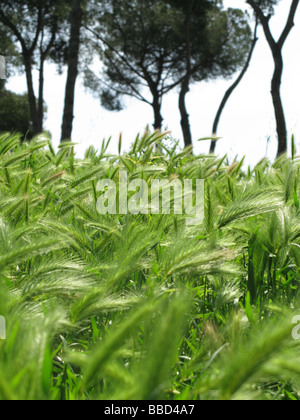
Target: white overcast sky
x: 247, y: 123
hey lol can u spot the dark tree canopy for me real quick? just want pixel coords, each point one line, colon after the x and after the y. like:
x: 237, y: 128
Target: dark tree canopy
x: 267, y: 5
x: 148, y: 48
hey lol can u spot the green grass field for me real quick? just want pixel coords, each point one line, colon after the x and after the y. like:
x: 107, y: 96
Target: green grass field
x: 144, y: 307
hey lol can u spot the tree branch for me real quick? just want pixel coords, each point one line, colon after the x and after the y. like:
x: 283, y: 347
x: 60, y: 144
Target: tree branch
x: 7, y: 22
x: 136, y: 94
x: 265, y: 23
x: 125, y: 93
x: 38, y: 29
x: 289, y: 25
x: 45, y: 52
x: 114, y: 50
x: 233, y: 87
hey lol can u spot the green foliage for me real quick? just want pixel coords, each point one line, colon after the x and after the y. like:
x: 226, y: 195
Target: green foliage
x: 14, y: 112
x: 267, y: 5
x: 144, y: 306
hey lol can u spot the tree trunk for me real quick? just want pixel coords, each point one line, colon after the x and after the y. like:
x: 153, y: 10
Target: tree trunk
x: 185, y: 86
x: 35, y: 129
x: 158, y: 119
x: 185, y: 124
x: 278, y: 106
x: 41, y: 95
x: 213, y: 145
x: 73, y: 58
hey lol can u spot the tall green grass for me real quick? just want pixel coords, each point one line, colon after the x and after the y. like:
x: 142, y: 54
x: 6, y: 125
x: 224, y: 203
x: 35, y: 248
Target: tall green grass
x: 144, y: 306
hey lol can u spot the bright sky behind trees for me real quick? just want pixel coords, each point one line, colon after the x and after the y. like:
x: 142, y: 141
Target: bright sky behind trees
x: 247, y: 123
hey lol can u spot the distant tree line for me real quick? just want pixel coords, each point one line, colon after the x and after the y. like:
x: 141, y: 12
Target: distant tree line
x: 145, y: 49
